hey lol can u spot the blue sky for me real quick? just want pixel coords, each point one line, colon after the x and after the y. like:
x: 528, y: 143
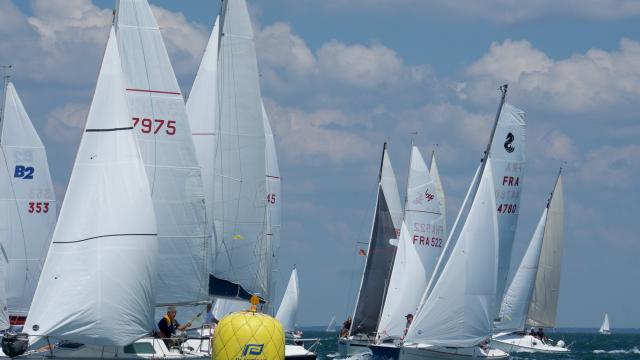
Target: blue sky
x: 341, y: 76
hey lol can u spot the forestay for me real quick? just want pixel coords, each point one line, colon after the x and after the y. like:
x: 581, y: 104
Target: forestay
x: 544, y: 304
x: 380, y: 253
x: 97, y: 282
x: 240, y: 207
x: 27, y: 202
x: 515, y: 304
x: 459, y: 311
x: 420, y: 244
x: 158, y: 114
x: 289, y: 306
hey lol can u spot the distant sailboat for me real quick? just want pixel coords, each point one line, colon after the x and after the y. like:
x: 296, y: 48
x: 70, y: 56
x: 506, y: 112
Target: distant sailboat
x: 287, y: 313
x: 604, y: 328
x: 28, y: 207
x: 387, y: 220
x: 532, y: 298
x: 332, y: 324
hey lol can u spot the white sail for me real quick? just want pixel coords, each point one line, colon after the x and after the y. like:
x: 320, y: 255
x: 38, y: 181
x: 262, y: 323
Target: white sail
x: 420, y: 245
x: 459, y: 311
x: 240, y: 208
x: 513, y: 311
x: 435, y: 175
x: 158, y: 113
x: 544, y: 303
x: 507, y: 153
x: 4, y: 312
x: 289, y: 306
x: 201, y: 110
x: 224, y: 307
x: 390, y: 189
x: 97, y: 282
x: 604, y: 328
x: 27, y: 202
x: 274, y: 204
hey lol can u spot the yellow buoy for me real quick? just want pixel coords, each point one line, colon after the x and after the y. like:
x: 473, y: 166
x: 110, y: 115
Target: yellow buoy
x: 248, y: 335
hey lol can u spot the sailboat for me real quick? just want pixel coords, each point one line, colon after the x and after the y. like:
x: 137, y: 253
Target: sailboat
x: 95, y: 296
x: 455, y: 316
x: 532, y: 297
x: 604, y: 328
x: 287, y: 312
x: 387, y: 220
x: 332, y: 324
x: 28, y: 205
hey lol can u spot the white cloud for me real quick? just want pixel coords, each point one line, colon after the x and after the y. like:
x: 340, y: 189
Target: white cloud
x: 594, y: 80
x: 281, y: 48
x: 309, y: 135
x: 65, y: 123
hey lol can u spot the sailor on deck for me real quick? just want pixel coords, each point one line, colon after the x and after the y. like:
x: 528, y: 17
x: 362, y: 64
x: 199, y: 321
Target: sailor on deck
x: 168, y: 326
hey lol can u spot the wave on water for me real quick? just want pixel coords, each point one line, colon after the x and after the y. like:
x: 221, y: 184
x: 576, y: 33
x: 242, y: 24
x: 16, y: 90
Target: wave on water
x: 633, y: 350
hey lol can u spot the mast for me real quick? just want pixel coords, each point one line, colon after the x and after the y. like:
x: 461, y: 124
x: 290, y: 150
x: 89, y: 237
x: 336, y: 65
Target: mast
x: 554, y: 187
x: 4, y: 92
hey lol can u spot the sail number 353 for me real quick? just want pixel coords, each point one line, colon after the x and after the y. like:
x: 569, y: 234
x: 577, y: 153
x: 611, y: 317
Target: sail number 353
x: 38, y: 207
x: 148, y: 126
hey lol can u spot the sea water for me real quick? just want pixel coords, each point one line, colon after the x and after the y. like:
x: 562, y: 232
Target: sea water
x: 584, y: 344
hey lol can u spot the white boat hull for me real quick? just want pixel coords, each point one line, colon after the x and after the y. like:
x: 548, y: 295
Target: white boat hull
x: 525, y: 343
x: 429, y: 352
x: 353, y: 345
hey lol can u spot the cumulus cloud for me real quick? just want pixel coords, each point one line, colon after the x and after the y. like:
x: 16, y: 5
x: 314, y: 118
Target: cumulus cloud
x: 287, y: 60
x: 310, y: 135
x: 583, y: 82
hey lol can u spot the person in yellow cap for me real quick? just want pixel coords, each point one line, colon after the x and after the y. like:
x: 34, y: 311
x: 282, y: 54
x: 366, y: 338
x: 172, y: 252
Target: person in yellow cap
x: 168, y: 325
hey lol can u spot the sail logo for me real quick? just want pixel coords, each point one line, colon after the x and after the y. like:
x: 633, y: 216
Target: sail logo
x: 24, y: 172
x: 253, y: 349
x: 428, y: 195
x: 508, y: 145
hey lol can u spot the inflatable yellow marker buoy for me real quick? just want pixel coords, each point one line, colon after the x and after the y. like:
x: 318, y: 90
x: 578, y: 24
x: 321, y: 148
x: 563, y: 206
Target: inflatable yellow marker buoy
x: 248, y: 335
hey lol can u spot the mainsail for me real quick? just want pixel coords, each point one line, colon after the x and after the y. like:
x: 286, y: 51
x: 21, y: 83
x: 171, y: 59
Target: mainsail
x: 27, y: 202
x: 420, y: 244
x: 544, y: 303
x: 97, y: 282
x: 240, y: 188
x: 158, y: 114
x: 289, y: 306
x: 459, y: 311
x: 380, y: 253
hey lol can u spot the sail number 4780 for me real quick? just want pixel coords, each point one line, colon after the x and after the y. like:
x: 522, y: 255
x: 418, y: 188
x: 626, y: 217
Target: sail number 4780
x: 507, y: 208
x: 156, y: 125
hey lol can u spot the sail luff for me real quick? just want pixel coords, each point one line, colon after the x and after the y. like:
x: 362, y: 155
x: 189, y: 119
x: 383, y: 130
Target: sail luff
x: 274, y: 207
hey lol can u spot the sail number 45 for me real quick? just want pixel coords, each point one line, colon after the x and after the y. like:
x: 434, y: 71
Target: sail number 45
x: 38, y: 207
x: 156, y: 125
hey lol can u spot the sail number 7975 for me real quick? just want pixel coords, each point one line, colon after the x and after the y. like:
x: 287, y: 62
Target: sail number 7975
x: 155, y: 125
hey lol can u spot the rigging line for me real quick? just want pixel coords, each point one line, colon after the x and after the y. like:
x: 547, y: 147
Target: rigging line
x: 102, y: 236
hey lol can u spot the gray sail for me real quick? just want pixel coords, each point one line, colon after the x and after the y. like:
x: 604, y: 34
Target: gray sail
x: 544, y: 304
x: 376, y: 271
